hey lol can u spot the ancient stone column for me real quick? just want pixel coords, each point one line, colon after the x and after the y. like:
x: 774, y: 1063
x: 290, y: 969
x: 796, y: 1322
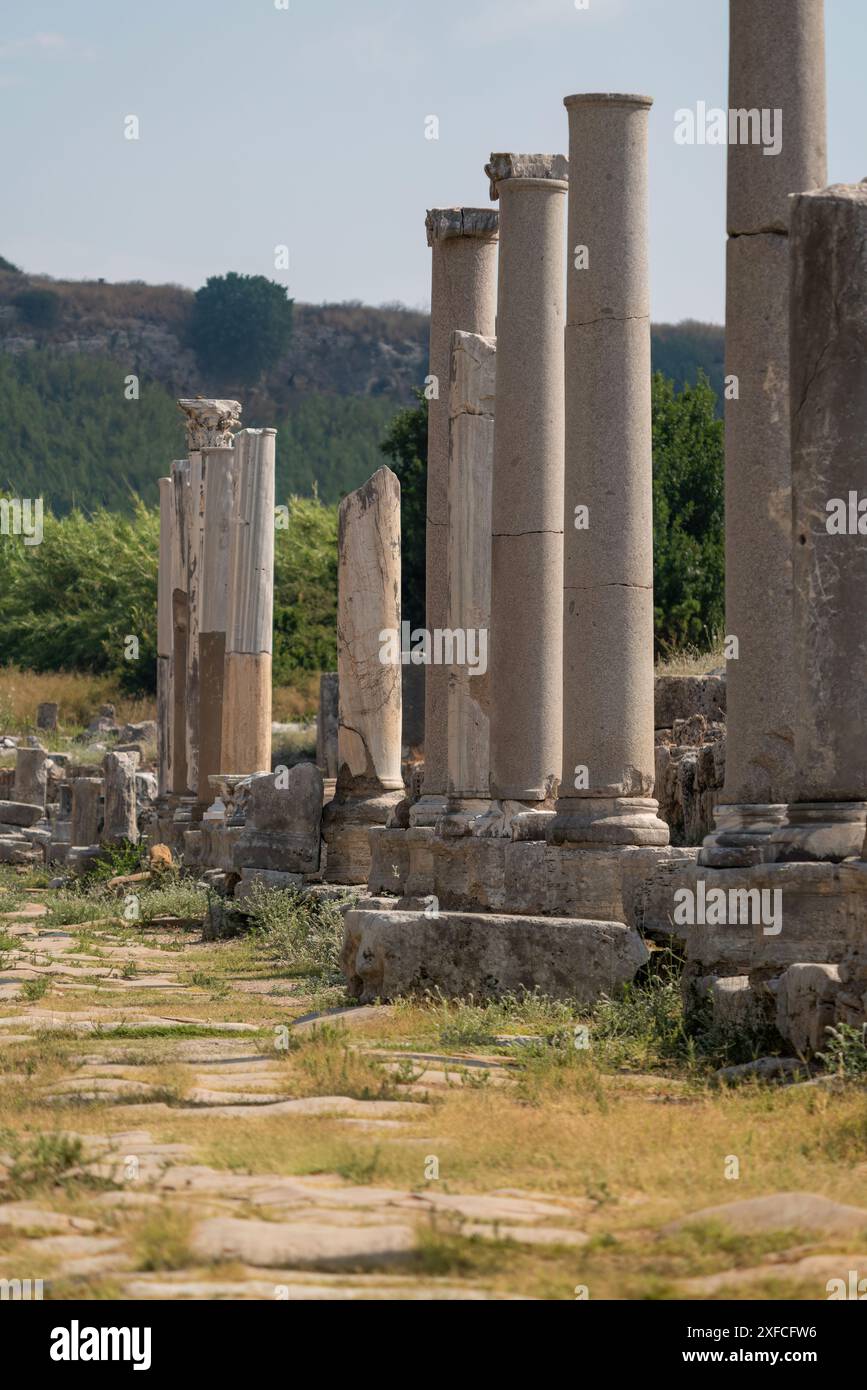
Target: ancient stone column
x: 246, y: 734
x: 369, y: 779
x: 606, y: 790
x: 218, y: 485
x: 326, y: 726
x: 828, y: 360
x: 776, y: 75
x: 165, y: 639
x: 526, y: 639
x: 86, y: 793
x: 120, y: 820
x: 463, y: 244
x: 180, y: 624
x: 210, y: 426
x: 471, y: 462
x: 31, y: 776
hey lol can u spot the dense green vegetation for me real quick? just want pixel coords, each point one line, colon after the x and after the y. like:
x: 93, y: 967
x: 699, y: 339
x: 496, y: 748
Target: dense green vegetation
x: 73, y: 601
x: 405, y: 447
x: 240, y: 325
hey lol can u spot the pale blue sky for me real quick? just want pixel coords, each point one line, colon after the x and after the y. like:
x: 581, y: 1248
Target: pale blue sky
x: 305, y: 127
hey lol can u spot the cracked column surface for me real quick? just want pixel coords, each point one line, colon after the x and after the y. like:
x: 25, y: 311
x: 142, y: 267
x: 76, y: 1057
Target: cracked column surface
x: 180, y: 624
x: 210, y: 425
x: 527, y: 491
x: 165, y: 640
x: 463, y: 244
x: 369, y: 776
x: 471, y: 460
x: 829, y: 464
x: 606, y: 790
x: 776, y: 67
x: 246, y: 733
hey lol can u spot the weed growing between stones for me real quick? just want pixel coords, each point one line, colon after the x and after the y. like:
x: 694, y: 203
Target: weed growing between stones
x: 302, y: 934
x: 845, y: 1052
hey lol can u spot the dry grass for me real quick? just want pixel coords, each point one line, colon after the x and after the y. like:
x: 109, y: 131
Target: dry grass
x: 690, y: 662
x: 297, y: 701
x: 78, y: 695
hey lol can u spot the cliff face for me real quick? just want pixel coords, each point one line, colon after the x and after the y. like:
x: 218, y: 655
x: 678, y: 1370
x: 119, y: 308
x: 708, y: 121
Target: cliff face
x: 340, y: 349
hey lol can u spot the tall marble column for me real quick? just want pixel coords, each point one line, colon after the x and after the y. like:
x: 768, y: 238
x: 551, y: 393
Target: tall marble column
x: 180, y: 785
x: 606, y: 790
x: 463, y: 244
x: 246, y: 734
x: 471, y: 461
x: 210, y: 427
x: 776, y: 73
x: 828, y: 241
x: 526, y: 640
x: 369, y: 777
x: 165, y: 640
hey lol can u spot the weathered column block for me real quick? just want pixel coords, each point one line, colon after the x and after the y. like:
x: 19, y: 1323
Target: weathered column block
x: 463, y: 244
x: 31, y: 776
x: 86, y: 818
x: 120, y: 820
x: 471, y: 460
x: 606, y: 791
x: 246, y: 715
x: 165, y: 639
x: 180, y: 624
x: 829, y: 480
x: 326, y: 726
x: 369, y: 779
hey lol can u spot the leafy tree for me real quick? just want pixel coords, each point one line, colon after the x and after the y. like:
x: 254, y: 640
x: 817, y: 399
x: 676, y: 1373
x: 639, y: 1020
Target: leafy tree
x: 39, y: 308
x: 305, y: 590
x: 405, y: 445
x: 240, y: 325
x: 7, y: 265
x: 688, y: 497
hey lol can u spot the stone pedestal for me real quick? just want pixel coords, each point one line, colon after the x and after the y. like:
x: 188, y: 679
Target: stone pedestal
x: 527, y: 491
x: 369, y: 780
x: 86, y: 794
x: 120, y: 821
x: 776, y: 64
x: 46, y: 716
x: 246, y: 728
x: 281, y: 832
x: 606, y: 789
x: 471, y: 457
x: 31, y: 776
x: 828, y: 355
x: 463, y: 244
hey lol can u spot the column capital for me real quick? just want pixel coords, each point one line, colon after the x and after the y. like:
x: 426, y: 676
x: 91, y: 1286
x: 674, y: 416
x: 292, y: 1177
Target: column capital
x: 441, y: 224
x: 607, y: 99
x: 526, y: 166
x: 210, y: 423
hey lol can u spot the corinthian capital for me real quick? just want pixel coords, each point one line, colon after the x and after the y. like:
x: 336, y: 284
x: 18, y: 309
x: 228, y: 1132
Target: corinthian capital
x: 210, y: 423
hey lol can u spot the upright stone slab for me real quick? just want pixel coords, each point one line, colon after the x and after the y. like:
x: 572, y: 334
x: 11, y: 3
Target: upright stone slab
x: 31, y: 776
x: 463, y: 244
x: 165, y: 639
x: 86, y: 818
x: 326, y: 726
x: 471, y: 459
x: 181, y: 512
x: 284, y: 812
x: 776, y: 66
x: 527, y: 496
x: 369, y: 780
x: 46, y: 716
x: 210, y: 426
x: 606, y: 790
x: 829, y: 480
x: 120, y: 821
x: 246, y: 733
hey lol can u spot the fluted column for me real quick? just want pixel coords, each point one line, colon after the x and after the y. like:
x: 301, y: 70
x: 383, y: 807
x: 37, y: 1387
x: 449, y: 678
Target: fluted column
x: 180, y: 477
x: 777, y: 67
x: 165, y: 640
x: 606, y: 790
x: 246, y: 735
x: 527, y: 491
x: 463, y: 244
x: 210, y: 426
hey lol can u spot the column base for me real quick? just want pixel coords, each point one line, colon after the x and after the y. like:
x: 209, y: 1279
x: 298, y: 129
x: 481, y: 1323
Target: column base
x: 742, y: 836
x: 512, y: 820
x: 346, y: 824
x: 460, y: 815
x: 821, y: 831
x: 590, y: 822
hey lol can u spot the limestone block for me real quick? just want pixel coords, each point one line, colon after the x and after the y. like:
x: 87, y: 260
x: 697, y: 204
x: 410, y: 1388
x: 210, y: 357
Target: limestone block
x: 46, y: 715
x: 733, y: 1002
x: 326, y: 725
x: 680, y: 697
x: 86, y: 813
x: 389, y: 860
x: 387, y: 954
x: 120, y: 820
x: 805, y: 1004
x: 31, y: 775
x: 19, y: 813
x: 283, y: 822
